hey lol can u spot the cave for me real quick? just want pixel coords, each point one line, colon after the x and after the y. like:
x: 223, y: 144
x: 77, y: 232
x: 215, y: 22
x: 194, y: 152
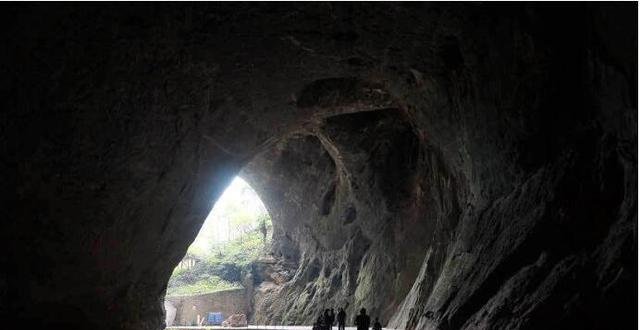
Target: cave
x: 445, y: 165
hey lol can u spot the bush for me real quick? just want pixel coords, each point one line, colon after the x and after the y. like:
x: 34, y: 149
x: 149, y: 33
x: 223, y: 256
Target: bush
x: 224, y: 266
x: 207, y: 284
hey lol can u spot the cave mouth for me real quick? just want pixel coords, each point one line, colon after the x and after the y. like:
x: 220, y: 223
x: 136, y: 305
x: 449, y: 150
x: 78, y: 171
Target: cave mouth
x: 507, y: 199
x: 205, y: 285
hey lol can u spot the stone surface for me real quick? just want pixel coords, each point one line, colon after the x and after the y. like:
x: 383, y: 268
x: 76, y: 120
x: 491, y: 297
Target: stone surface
x: 448, y: 166
x: 235, y: 320
x: 349, y: 204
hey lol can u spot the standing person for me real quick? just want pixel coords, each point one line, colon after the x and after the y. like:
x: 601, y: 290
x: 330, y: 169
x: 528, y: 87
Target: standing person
x: 332, y: 319
x: 363, y: 320
x: 327, y: 320
x: 318, y: 324
x: 377, y: 325
x: 321, y: 321
x: 342, y: 318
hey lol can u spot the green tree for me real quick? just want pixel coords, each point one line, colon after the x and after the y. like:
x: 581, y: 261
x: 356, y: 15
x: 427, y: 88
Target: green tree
x: 223, y: 266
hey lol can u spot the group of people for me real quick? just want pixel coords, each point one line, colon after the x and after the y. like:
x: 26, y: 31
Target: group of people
x: 329, y: 318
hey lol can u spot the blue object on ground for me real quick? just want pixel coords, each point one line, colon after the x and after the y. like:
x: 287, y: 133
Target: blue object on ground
x: 214, y: 318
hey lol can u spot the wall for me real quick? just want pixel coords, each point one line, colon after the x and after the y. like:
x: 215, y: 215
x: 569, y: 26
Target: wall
x: 228, y: 302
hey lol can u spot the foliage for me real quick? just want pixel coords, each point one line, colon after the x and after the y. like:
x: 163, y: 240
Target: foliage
x: 224, y: 265
x: 240, y: 251
x: 211, y: 283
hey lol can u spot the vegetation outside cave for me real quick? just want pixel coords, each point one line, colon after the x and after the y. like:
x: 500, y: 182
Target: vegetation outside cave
x: 236, y: 233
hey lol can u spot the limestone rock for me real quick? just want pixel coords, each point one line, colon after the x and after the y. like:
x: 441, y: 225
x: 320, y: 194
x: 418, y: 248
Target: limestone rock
x: 235, y: 320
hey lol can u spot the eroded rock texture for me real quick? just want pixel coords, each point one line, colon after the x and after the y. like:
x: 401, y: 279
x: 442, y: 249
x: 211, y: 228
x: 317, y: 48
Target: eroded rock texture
x: 356, y: 190
x: 463, y: 166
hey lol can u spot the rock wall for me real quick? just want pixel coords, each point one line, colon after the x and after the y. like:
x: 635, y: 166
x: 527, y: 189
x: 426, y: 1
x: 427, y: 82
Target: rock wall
x: 446, y: 165
x: 479, y: 215
x: 352, y: 199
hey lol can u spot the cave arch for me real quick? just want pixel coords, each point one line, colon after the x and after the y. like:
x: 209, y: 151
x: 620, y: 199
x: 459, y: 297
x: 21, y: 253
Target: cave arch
x: 122, y: 123
x: 314, y: 149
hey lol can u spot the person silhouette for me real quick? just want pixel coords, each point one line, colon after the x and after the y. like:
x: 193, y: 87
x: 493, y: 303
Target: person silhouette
x: 342, y: 318
x: 332, y: 318
x: 363, y: 320
x: 318, y: 324
x: 327, y: 319
x: 377, y: 325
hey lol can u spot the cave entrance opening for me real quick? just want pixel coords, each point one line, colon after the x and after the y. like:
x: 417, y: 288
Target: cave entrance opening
x: 210, y: 283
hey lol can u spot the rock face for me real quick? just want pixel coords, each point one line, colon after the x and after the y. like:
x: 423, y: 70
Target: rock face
x: 235, y: 320
x: 461, y: 166
x: 350, y: 201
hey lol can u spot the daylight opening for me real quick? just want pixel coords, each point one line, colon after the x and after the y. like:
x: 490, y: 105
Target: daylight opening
x: 211, y: 283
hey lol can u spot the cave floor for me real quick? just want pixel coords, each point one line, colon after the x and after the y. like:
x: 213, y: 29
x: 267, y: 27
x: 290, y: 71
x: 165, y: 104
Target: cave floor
x: 252, y: 327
